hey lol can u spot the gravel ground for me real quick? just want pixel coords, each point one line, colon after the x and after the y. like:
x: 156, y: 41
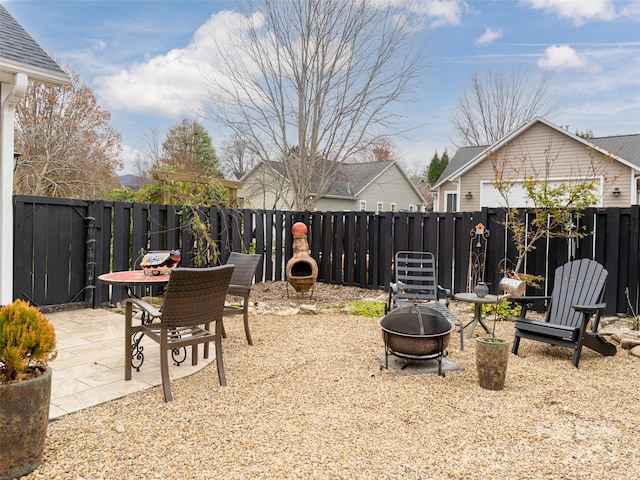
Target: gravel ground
x: 309, y: 401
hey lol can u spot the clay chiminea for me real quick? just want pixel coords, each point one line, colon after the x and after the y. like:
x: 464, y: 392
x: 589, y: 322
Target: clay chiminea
x: 301, y: 269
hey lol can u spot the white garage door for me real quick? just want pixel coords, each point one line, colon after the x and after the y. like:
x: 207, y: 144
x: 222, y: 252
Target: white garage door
x: 490, y: 197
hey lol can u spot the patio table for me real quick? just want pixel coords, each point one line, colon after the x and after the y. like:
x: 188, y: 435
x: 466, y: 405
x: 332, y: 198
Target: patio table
x: 132, y: 280
x: 477, y: 311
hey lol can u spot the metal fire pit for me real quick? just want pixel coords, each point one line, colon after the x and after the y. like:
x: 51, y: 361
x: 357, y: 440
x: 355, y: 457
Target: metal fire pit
x: 416, y: 333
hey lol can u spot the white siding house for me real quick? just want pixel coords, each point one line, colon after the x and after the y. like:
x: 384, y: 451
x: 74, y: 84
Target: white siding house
x: 541, y: 150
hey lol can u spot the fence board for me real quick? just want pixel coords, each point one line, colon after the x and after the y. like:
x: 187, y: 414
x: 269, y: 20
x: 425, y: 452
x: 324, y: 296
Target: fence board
x: 349, y: 248
x: 54, y: 254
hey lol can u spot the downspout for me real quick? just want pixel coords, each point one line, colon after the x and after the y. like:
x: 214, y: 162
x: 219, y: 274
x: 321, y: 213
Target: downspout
x: 10, y: 95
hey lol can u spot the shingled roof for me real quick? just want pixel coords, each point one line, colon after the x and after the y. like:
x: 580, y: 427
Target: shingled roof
x: 623, y: 146
x: 348, y: 179
x: 19, y: 52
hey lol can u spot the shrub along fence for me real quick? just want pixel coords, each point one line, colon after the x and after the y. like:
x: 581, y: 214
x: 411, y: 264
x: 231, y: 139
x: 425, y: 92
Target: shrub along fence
x: 63, y: 245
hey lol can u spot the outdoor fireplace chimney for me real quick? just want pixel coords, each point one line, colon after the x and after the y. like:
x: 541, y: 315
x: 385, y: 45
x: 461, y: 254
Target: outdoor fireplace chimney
x: 301, y: 269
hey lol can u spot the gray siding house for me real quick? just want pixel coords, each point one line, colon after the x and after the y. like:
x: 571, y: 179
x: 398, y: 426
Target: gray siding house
x: 373, y: 186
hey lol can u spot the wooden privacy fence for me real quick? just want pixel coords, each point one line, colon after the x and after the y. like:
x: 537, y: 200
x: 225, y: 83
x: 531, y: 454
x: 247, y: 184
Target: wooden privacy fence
x: 62, y: 245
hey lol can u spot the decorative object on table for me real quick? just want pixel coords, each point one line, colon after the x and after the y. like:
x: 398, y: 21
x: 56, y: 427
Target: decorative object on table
x: 492, y: 354
x: 578, y: 290
x: 160, y: 262
x: 27, y: 344
x: 481, y: 289
x: 415, y: 283
x: 301, y: 269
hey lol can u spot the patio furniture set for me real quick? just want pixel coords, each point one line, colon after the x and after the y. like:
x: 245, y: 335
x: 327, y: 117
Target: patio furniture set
x: 576, y: 298
x: 194, y: 298
x: 416, y: 325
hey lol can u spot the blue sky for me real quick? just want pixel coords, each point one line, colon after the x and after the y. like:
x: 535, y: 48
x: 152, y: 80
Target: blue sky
x: 141, y: 60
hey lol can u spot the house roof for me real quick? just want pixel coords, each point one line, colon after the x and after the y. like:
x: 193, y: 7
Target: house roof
x: 20, y: 53
x: 461, y: 158
x: 623, y: 148
x: 349, y: 179
x: 352, y: 178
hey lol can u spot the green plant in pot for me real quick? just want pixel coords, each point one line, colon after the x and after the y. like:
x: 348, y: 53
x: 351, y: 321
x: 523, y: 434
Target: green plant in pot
x: 27, y: 344
x: 492, y: 353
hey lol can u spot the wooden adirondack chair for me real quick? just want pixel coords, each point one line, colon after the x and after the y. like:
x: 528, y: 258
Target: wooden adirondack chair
x: 577, y: 296
x: 416, y: 282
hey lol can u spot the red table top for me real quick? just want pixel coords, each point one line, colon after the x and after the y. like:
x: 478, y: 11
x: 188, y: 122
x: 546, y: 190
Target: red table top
x: 133, y: 277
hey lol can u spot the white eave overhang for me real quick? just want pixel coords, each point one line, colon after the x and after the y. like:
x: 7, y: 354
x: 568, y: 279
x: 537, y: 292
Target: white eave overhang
x: 8, y: 70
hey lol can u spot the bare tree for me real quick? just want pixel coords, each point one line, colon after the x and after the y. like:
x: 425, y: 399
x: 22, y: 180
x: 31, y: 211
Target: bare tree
x: 152, y: 155
x: 495, y: 104
x: 237, y: 156
x: 313, y: 83
x: 379, y: 150
x: 68, y: 148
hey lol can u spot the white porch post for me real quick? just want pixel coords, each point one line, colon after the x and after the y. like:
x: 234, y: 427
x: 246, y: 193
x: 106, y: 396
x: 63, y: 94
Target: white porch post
x: 10, y: 96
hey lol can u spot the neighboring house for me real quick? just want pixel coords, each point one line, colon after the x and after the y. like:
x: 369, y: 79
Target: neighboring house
x: 544, y: 151
x: 373, y: 186
x: 422, y: 184
x: 21, y: 60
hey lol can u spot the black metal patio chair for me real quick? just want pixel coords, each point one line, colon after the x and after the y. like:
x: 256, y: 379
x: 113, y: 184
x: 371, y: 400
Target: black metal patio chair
x: 416, y: 282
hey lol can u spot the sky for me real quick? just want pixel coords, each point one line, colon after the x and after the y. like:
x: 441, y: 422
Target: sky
x: 141, y: 59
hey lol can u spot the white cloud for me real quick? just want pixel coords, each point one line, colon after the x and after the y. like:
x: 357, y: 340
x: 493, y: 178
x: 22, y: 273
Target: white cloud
x: 578, y: 12
x: 631, y: 10
x: 128, y: 157
x: 172, y: 84
x: 440, y: 12
x: 489, y: 36
x: 562, y: 57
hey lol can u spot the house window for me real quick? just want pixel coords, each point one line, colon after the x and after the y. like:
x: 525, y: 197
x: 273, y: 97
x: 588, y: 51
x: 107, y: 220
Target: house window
x: 393, y: 207
x: 412, y: 208
x: 379, y: 207
x: 363, y: 205
x: 452, y: 202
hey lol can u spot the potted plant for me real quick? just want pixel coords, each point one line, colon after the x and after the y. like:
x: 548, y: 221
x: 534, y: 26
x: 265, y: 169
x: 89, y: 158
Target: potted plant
x: 492, y: 353
x: 27, y: 344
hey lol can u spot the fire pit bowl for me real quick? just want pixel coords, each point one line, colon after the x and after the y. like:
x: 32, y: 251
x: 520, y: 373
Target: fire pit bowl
x: 416, y: 332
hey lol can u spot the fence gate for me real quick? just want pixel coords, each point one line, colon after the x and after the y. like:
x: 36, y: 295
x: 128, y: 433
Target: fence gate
x: 50, y: 252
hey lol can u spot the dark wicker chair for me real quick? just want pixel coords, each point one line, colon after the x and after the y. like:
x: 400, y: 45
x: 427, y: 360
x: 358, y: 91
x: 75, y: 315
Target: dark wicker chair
x: 240, y: 286
x: 194, y: 298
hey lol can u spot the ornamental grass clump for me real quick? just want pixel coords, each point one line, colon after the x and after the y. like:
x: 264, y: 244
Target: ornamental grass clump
x: 27, y: 342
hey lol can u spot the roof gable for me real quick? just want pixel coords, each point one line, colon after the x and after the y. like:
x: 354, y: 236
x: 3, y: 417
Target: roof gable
x: 624, y: 148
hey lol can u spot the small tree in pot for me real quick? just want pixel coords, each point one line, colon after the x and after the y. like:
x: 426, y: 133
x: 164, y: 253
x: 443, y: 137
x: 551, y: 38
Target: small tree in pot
x: 492, y: 353
x: 27, y: 344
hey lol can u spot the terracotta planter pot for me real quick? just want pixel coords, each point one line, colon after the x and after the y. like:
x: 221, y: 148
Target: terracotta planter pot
x: 24, y: 416
x: 491, y: 362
